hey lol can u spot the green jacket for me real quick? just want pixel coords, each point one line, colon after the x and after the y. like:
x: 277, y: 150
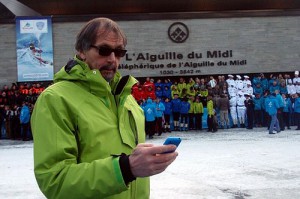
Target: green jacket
x: 173, y: 92
x: 191, y: 110
x: 198, y: 107
x: 80, y: 124
x: 210, y: 108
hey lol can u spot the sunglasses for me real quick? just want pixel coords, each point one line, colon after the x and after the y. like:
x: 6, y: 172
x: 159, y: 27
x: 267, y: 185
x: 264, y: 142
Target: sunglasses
x: 106, y: 51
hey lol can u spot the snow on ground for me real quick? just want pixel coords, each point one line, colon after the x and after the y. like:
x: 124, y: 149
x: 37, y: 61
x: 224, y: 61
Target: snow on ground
x: 229, y: 164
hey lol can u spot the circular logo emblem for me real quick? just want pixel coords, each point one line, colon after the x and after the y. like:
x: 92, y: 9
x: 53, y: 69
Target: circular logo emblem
x: 178, y: 32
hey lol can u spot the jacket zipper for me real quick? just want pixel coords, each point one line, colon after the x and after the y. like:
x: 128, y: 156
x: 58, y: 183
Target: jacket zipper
x: 133, y: 127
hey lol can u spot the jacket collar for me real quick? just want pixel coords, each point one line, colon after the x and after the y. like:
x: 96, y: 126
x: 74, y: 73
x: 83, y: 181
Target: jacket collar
x: 80, y: 73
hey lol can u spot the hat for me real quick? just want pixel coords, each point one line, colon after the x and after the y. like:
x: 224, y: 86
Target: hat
x: 246, y: 76
x: 230, y: 75
x: 249, y: 83
x: 240, y: 93
x: 246, y: 94
x: 296, y: 72
x: 239, y: 77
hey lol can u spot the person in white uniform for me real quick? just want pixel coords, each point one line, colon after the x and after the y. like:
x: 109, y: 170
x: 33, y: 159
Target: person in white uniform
x: 248, y: 89
x: 233, y: 112
x: 246, y: 81
x: 230, y: 81
x: 296, y: 79
x: 232, y: 91
x: 239, y: 84
x: 291, y: 88
x: 241, y: 109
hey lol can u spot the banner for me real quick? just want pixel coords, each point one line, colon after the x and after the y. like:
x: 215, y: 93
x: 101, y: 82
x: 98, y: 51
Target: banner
x: 34, y: 49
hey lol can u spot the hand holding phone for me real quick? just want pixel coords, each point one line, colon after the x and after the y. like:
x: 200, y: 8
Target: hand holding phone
x: 172, y: 140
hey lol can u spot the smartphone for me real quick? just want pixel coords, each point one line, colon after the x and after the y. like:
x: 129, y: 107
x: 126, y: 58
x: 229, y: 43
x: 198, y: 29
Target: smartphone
x: 172, y: 140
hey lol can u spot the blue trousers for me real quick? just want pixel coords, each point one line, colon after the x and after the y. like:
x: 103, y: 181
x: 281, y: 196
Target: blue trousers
x: 274, y: 123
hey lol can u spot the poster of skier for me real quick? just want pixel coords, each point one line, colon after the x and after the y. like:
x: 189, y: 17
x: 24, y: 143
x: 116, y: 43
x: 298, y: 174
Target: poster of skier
x: 34, y: 49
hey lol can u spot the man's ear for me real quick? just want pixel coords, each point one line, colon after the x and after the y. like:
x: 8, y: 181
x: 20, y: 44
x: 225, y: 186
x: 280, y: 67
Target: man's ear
x: 81, y: 56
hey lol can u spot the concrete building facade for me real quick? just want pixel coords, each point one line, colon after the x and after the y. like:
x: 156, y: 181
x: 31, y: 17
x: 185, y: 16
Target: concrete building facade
x: 183, y: 47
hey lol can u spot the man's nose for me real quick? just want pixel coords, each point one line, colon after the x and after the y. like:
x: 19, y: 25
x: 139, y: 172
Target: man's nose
x: 111, y: 57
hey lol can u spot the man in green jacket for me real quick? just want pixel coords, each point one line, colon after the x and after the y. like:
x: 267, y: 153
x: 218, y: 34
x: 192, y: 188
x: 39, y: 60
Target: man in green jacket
x: 89, y: 131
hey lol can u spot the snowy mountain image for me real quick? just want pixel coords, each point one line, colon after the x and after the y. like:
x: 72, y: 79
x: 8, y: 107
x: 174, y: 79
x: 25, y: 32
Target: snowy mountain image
x: 34, y: 64
x: 33, y: 57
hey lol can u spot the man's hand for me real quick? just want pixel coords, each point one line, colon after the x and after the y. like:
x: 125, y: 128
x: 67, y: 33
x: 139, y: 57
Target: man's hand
x: 147, y: 159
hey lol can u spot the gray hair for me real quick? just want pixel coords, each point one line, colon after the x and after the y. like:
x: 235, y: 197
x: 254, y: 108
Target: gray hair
x: 95, y: 28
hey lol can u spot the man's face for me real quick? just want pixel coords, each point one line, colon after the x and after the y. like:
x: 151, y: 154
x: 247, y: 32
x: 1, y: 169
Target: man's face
x: 107, y: 65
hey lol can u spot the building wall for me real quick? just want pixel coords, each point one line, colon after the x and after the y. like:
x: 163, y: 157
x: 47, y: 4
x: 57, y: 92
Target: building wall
x: 214, y: 46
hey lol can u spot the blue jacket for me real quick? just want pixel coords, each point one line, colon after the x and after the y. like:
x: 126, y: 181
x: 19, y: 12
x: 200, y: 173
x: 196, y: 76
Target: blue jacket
x: 184, y: 107
x: 149, y: 111
x: 257, y: 103
x: 167, y: 93
x: 273, y: 88
x: 280, y: 100
x: 272, y: 80
x: 263, y: 102
x: 287, y: 105
x: 255, y: 81
x: 160, y: 107
x: 25, y: 115
x: 159, y: 93
x: 176, y: 104
x: 258, y: 90
x: 168, y: 108
x: 283, y: 90
x: 271, y: 104
x: 264, y: 84
x: 169, y: 84
x: 159, y: 85
x: 297, y: 105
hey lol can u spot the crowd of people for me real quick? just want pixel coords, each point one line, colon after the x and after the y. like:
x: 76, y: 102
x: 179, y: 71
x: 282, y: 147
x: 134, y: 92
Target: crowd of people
x: 16, y: 105
x: 230, y: 102
x: 180, y: 105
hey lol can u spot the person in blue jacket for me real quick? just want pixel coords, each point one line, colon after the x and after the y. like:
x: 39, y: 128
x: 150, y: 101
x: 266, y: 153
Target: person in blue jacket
x: 287, y: 109
x: 274, y: 86
x: 158, y: 83
x: 280, y: 109
x: 167, y: 115
x: 264, y: 82
x: 271, y: 104
x: 24, y: 120
x: 297, y: 110
x: 158, y: 92
x: 150, y: 113
x: 256, y: 80
x: 166, y: 92
x: 159, y: 113
x: 176, y: 102
x: 167, y: 83
x: 283, y: 88
x: 184, y: 111
x: 258, y: 89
